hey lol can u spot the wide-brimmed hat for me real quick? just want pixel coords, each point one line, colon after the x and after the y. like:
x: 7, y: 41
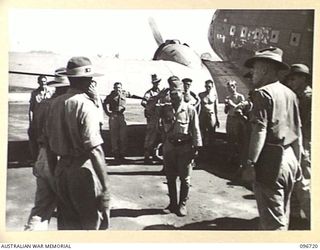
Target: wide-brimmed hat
x: 59, y: 81
x: 79, y: 67
x: 299, y: 68
x: 271, y: 54
x: 155, y: 79
x: 175, y: 84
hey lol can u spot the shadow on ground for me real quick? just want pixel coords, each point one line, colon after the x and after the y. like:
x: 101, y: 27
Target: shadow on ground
x: 124, y: 212
x: 225, y: 223
x: 152, y: 173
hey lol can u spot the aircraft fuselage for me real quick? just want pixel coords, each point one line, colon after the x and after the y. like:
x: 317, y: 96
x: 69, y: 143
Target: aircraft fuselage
x: 235, y: 34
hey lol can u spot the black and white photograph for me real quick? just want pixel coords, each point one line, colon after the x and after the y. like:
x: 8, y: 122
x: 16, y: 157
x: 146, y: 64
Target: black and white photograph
x: 159, y: 119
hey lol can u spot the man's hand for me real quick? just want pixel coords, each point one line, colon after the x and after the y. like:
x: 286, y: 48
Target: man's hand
x: 104, y: 201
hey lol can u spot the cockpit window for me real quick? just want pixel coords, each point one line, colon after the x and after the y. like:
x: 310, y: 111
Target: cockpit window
x: 295, y: 39
x: 274, y: 36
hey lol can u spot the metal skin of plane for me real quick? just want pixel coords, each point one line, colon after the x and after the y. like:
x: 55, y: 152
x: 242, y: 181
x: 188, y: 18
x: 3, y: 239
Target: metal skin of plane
x: 235, y: 35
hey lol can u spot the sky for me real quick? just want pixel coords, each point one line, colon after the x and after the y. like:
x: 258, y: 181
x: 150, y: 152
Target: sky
x: 105, y: 32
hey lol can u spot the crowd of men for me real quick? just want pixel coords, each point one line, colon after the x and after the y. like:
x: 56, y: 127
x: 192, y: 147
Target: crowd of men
x: 271, y: 131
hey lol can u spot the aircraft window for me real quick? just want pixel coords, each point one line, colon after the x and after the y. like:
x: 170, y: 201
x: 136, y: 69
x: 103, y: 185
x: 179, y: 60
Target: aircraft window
x: 275, y: 36
x: 244, y: 32
x: 232, y: 30
x: 295, y: 39
x: 257, y: 34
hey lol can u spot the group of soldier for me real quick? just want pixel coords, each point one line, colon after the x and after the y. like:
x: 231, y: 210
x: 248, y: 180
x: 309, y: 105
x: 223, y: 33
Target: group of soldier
x: 65, y: 134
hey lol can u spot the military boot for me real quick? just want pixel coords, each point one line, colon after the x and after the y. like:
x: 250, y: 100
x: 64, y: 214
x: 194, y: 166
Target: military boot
x: 184, y: 191
x: 173, y: 205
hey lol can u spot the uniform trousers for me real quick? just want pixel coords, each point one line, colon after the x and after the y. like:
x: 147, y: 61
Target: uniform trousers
x: 118, y: 133
x: 45, y: 198
x: 152, y: 134
x: 178, y: 161
x: 33, y: 143
x: 78, y: 188
x: 274, y: 200
x: 233, y: 129
x: 302, y: 188
x: 237, y: 135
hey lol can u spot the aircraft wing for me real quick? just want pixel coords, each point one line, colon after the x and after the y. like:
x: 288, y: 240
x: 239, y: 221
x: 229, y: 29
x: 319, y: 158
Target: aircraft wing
x: 223, y: 71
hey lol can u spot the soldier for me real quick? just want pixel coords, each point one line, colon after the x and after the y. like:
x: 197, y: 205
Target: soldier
x: 298, y: 80
x: 45, y: 198
x: 189, y: 96
x: 42, y: 93
x: 114, y: 106
x: 234, y: 127
x: 274, y: 150
x: 182, y: 138
x: 208, y: 116
x: 73, y: 130
x: 152, y: 134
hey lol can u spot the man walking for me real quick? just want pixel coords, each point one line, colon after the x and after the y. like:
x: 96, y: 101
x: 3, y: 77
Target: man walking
x: 274, y: 150
x: 182, y: 138
x: 74, y: 135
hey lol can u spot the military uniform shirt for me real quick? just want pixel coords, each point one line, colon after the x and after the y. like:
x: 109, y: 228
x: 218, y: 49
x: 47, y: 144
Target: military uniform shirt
x: 38, y: 95
x: 149, y: 94
x: 183, y: 121
x: 305, y: 100
x: 117, y: 101
x: 275, y: 107
x: 73, y: 124
x: 150, y: 108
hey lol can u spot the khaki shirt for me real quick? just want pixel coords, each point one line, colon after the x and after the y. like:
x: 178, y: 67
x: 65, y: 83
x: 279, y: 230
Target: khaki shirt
x: 149, y: 102
x: 73, y: 124
x: 275, y: 107
x: 117, y: 101
x: 149, y: 94
x: 305, y: 100
x: 183, y: 121
x: 38, y: 95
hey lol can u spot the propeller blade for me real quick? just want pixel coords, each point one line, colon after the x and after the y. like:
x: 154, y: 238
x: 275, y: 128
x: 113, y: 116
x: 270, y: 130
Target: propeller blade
x: 155, y: 31
x: 29, y: 73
